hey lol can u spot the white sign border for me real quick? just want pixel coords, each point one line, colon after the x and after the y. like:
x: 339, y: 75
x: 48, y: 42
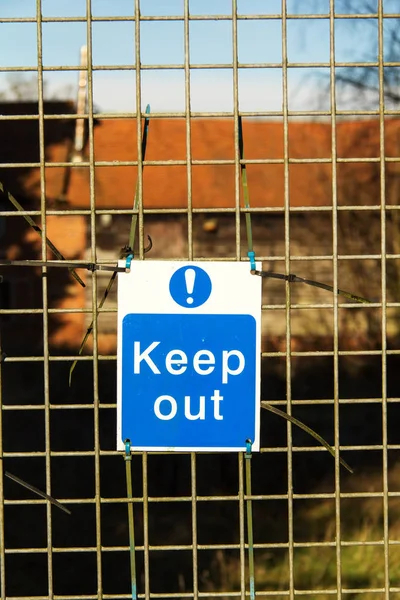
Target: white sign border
x: 255, y: 311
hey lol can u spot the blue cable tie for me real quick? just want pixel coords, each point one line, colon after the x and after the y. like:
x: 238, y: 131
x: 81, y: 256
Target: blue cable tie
x: 249, y: 444
x: 128, y: 455
x: 129, y: 259
x: 252, y: 257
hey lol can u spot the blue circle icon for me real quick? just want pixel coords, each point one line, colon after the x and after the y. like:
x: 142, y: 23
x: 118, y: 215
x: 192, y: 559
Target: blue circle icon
x: 190, y: 287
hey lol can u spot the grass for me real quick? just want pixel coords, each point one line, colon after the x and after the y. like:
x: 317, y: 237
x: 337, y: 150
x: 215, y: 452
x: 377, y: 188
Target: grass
x: 315, y: 567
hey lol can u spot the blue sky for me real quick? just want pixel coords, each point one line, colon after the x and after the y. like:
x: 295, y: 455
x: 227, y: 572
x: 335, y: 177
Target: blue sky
x: 162, y: 43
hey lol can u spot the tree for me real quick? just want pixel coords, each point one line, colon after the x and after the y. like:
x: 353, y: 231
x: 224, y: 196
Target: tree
x: 24, y: 88
x: 364, y: 80
x: 363, y: 85
x: 360, y: 183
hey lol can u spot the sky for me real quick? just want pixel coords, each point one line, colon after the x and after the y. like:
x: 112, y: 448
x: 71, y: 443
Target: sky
x: 162, y: 43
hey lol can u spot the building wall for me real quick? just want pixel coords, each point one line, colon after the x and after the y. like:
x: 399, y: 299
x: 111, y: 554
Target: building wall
x: 214, y: 235
x: 69, y: 236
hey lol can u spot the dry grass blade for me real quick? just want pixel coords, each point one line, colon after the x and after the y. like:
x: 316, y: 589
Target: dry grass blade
x: 36, y: 228
x: 38, y: 492
x: 307, y: 429
x: 124, y: 251
x: 90, y: 328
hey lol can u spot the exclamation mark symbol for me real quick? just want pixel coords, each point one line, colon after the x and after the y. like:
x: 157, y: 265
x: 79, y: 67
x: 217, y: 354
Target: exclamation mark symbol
x: 190, y: 276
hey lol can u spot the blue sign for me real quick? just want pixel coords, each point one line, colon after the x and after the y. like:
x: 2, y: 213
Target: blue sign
x: 188, y: 358
x: 190, y: 287
x: 189, y: 380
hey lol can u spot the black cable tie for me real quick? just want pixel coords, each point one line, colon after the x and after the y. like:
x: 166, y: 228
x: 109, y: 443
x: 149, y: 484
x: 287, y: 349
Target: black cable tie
x: 292, y: 278
x: 65, y: 264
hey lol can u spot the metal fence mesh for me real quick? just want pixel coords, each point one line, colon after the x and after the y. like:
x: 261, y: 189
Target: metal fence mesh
x: 315, y: 526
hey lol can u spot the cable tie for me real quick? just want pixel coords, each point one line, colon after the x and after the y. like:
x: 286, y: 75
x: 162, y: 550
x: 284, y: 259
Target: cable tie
x: 129, y: 259
x: 252, y: 257
x: 128, y: 455
x: 64, y: 264
x: 249, y: 444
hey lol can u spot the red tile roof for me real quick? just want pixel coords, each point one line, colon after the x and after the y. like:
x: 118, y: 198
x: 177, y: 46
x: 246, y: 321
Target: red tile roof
x: 213, y: 186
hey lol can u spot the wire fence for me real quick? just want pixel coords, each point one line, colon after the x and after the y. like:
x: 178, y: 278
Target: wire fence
x: 323, y: 178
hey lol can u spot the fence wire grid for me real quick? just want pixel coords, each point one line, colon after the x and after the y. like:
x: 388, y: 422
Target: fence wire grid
x: 323, y: 204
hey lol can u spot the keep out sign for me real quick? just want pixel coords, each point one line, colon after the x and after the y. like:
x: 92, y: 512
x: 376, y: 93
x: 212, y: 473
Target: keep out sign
x: 188, y: 356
